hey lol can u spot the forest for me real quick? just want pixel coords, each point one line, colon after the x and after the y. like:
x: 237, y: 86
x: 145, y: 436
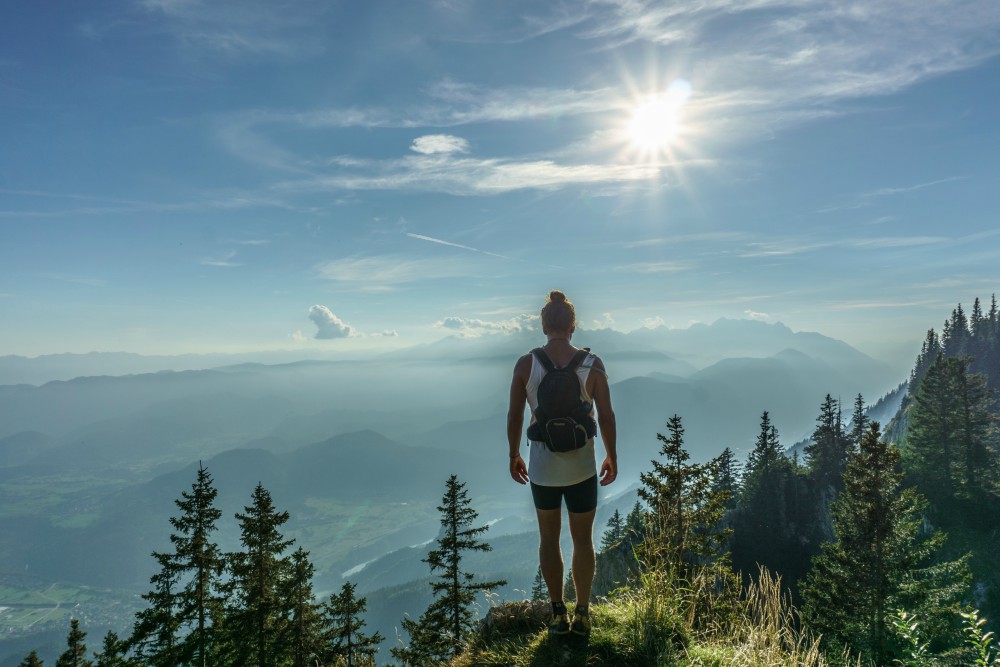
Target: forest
x: 873, y: 546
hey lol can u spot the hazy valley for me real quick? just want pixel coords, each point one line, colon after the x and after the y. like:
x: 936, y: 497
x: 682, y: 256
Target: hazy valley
x: 356, y: 450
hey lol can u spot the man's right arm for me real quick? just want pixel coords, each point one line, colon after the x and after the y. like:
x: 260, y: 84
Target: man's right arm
x: 607, y: 423
x: 515, y: 418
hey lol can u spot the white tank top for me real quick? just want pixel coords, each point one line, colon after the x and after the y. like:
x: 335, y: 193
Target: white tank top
x: 548, y: 468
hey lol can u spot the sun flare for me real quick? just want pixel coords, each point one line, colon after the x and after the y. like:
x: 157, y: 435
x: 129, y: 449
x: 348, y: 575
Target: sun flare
x: 656, y: 120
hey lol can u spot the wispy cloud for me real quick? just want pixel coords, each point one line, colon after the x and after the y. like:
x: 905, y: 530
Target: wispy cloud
x: 88, y: 281
x: 238, y: 29
x: 225, y: 260
x: 900, y: 241
x: 388, y: 272
x: 467, y: 176
x: 656, y: 267
x: 117, y: 206
x: 782, y: 248
x: 886, y: 192
x: 677, y: 239
x: 868, y: 198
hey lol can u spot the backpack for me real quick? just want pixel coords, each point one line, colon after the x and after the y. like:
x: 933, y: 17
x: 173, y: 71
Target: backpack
x: 562, y: 418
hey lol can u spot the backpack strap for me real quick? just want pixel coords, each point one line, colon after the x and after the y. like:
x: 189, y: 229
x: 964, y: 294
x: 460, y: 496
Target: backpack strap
x: 543, y: 359
x: 573, y: 364
x: 577, y: 359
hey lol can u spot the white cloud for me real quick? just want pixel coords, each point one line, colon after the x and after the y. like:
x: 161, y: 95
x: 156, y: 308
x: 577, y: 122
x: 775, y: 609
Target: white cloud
x: 756, y: 316
x: 474, y: 327
x: 430, y: 144
x: 652, y: 322
x: 328, y: 325
x: 298, y: 336
x: 606, y: 322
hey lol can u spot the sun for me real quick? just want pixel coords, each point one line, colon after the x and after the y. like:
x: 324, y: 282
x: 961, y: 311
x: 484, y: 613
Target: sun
x: 657, y: 120
x: 654, y: 124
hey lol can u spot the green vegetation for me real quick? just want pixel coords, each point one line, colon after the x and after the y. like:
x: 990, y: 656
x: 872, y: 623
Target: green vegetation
x: 880, y: 560
x: 650, y: 625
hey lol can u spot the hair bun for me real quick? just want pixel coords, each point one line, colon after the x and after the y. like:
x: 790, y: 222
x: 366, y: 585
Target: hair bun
x: 556, y: 295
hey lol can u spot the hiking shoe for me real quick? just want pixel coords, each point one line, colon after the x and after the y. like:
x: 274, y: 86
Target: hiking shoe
x: 581, y: 622
x: 559, y: 625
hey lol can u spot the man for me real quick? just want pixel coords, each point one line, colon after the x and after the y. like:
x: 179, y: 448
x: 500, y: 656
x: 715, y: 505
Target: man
x: 558, y: 476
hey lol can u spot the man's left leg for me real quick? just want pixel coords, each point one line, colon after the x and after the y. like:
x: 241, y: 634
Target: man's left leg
x: 581, y: 529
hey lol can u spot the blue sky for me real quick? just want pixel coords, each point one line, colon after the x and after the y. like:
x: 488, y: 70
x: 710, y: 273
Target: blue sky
x: 195, y: 175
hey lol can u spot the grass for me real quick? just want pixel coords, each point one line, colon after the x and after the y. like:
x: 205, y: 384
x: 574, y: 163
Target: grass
x: 652, y: 626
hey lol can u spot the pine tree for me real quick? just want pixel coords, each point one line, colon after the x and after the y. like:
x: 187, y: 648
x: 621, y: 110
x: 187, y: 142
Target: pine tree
x: 950, y: 442
x: 685, y: 513
x: 304, y: 634
x: 955, y: 336
x: 154, y: 633
x: 727, y: 479
x: 569, y: 588
x: 32, y: 660
x: 345, y: 639
x: 766, y: 455
x: 635, y: 522
x: 615, y: 531
x: 775, y: 523
x: 197, y: 555
x: 75, y: 654
x: 879, y: 561
x: 859, y: 423
x: 828, y: 450
x: 257, y: 617
x: 112, y: 653
x: 443, y: 628
x: 930, y: 350
x: 538, y: 588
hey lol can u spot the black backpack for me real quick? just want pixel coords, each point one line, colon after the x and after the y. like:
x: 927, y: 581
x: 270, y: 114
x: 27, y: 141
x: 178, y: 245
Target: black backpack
x: 562, y: 418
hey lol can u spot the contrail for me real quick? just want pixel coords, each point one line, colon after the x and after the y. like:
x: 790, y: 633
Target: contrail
x: 457, y: 245
x: 465, y: 247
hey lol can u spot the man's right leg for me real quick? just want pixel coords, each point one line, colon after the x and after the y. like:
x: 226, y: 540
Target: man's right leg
x: 549, y: 554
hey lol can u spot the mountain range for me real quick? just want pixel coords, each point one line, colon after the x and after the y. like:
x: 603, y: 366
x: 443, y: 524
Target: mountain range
x: 357, y: 450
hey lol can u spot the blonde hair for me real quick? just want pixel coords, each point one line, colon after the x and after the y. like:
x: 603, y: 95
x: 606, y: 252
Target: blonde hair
x: 558, y: 313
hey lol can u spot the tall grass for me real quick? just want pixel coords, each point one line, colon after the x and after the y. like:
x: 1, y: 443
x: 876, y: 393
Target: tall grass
x: 764, y: 631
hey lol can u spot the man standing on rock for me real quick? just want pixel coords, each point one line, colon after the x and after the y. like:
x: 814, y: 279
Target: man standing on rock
x: 562, y: 385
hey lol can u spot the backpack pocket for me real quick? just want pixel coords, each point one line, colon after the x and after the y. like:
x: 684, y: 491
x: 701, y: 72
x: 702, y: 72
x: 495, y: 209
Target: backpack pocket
x: 564, y: 434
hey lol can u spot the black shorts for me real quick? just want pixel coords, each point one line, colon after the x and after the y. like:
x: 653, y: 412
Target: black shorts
x: 580, y: 497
